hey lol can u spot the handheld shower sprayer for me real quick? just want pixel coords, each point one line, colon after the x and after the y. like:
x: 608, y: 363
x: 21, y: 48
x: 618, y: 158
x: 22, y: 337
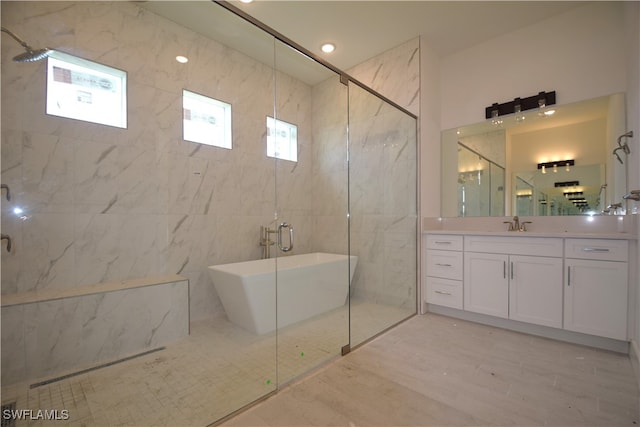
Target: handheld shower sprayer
x: 31, y: 55
x: 623, y: 146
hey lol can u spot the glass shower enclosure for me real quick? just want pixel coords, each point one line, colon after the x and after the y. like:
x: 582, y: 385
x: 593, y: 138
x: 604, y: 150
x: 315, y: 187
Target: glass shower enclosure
x: 254, y: 218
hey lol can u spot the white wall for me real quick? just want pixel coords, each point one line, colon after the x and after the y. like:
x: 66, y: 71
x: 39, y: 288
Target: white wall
x: 632, y: 53
x: 579, y: 54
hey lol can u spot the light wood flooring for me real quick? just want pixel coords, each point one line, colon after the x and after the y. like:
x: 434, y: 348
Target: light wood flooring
x: 434, y: 370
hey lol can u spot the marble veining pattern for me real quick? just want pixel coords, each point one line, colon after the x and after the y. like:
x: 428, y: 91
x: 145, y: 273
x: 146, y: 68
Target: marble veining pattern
x: 52, y: 337
x: 104, y: 204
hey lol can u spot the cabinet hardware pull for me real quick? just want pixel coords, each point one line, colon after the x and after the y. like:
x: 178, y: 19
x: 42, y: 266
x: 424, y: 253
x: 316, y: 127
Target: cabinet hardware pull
x: 569, y: 276
x: 504, y: 269
x: 443, y: 293
x: 443, y: 265
x: 595, y: 249
x: 440, y: 242
x: 511, y: 270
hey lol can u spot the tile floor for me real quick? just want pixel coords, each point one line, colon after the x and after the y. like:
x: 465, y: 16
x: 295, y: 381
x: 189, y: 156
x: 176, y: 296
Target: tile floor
x: 437, y: 371
x: 218, y: 369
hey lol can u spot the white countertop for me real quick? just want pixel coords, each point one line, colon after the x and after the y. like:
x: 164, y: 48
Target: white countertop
x: 618, y: 236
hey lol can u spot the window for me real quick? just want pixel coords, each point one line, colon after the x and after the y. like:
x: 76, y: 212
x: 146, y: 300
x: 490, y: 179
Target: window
x: 85, y: 90
x: 282, y: 140
x: 206, y: 120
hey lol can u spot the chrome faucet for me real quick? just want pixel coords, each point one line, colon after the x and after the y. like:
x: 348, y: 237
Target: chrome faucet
x: 265, y: 240
x: 516, y: 225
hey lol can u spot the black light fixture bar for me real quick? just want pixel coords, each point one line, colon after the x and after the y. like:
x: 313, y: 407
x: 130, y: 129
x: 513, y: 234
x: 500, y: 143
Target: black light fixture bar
x: 529, y: 103
x: 566, y: 184
x: 559, y: 163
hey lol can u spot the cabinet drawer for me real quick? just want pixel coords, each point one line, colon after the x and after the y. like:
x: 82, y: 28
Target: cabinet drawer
x: 602, y: 249
x: 445, y: 264
x: 447, y: 242
x: 444, y: 292
x: 516, y: 245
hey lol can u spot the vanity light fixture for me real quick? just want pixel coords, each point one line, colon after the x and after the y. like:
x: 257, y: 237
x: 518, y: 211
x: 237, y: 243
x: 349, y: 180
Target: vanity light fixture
x: 554, y: 165
x: 566, y: 184
x: 495, y: 120
x: 328, y: 47
x: 528, y: 103
x: 517, y: 109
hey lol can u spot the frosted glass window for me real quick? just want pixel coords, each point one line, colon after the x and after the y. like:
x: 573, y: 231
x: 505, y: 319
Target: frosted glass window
x: 85, y: 90
x: 206, y: 120
x: 282, y: 140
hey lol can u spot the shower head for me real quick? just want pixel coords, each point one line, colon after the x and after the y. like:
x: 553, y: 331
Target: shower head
x: 31, y: 55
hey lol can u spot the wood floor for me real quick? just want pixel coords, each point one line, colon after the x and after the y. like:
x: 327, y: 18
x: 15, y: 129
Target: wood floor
x: 434, y: 370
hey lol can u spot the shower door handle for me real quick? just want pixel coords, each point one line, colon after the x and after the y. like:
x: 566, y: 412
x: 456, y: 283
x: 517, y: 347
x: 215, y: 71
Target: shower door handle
x: 285, y: 248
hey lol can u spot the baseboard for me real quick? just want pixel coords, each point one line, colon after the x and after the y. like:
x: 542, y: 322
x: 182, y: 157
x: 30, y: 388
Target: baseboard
x: 542, y: 331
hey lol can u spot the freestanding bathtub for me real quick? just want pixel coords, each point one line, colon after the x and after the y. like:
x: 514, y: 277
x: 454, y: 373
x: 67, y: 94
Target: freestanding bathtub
x: 307, y: 285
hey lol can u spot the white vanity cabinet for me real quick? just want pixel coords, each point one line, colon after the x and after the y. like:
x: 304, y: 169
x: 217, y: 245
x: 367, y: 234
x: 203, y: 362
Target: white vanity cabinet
x: 596, y: 286
x: 518, y: 278
x: 443, y: 269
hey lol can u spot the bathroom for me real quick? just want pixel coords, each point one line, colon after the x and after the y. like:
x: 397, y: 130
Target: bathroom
x: 139, y: 202
x: 113, y: 227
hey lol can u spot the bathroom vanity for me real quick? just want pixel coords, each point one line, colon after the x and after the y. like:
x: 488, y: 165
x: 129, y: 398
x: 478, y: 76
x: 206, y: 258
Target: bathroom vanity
x: 568, y: 286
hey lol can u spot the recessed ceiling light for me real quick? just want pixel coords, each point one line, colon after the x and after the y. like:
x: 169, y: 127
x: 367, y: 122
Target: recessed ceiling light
x: 328, y: 47
x: 182, y: 59
x: 246, y: 1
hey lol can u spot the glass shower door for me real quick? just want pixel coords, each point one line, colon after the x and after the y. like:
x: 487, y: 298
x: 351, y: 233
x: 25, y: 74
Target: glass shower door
x: 306, y: 136
x: 383, y: 213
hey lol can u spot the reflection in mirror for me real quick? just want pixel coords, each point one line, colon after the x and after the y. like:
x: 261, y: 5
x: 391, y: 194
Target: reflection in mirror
x: 555, y: 161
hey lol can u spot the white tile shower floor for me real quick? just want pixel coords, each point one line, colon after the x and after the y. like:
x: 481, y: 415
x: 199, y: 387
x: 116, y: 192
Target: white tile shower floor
x: 217, y: 369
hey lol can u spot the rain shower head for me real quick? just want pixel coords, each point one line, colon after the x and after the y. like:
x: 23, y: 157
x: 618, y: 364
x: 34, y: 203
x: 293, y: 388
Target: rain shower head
x: 31, y: 55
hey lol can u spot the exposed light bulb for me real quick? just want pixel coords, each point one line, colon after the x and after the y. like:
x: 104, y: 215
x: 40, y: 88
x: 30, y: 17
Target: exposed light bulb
x: 544, y: 169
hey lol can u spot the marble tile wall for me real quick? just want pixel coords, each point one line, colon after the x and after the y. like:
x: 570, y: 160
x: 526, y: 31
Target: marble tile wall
x: 54, y: 337
x: 103, y: 204
x: 383, y: 170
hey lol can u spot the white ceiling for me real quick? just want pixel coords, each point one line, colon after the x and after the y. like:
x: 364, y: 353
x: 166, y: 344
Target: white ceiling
x: 363, y: 29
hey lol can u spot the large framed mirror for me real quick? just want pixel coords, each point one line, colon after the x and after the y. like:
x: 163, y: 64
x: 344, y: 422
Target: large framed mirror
x: 553, y: 161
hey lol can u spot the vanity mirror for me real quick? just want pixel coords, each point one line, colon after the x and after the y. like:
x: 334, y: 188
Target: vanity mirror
x: 552, y: 161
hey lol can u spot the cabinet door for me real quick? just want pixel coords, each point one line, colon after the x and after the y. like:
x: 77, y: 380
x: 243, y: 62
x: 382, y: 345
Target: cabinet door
x: 486, y: 287
x: 535, y: 290
x: 596, y: 298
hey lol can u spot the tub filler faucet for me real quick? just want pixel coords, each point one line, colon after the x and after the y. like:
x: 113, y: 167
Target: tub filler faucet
x: 265, y: 240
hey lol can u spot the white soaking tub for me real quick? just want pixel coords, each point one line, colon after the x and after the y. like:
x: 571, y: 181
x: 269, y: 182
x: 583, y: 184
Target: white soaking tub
x: 308, y: 285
